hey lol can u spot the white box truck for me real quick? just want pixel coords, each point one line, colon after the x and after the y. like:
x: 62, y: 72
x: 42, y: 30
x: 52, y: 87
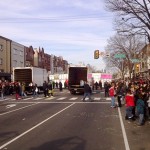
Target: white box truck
x: 30, y: 75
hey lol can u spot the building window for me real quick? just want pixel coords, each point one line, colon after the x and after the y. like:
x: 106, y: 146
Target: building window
x: 21, y: 64
x: 14, y: 63
x: 21, y: 53
x: 15, y: 51
x: 1, y: 47
x: 1, y: 61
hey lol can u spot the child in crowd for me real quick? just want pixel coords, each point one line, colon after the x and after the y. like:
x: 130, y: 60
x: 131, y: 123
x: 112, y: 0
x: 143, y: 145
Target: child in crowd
x: 130, y: 104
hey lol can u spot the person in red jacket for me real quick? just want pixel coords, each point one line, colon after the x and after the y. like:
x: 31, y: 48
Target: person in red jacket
x: 130, y: 104
x: 112, y: 95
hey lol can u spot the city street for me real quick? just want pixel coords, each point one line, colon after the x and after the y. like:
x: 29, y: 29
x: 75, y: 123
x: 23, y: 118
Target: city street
x: 64, y: 122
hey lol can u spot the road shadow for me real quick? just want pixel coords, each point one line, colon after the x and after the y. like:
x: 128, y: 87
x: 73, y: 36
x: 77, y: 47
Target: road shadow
x: 5, y: 136
x: 70, y: 143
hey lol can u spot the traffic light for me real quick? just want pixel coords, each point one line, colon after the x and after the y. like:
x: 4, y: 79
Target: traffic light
x: 96, y: 54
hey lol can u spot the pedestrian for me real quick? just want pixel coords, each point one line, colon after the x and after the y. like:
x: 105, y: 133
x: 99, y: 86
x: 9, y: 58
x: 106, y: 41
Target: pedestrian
x: 149, y: 108
x: 140, y: 107
x: 3, y: 91
x: 100, y: 84
x: 96, y: 85
x: 60, y: 85
x: 45, y: 89
x: 35, y: 90
x: 56, y: 83
x: 120, y: 92
x: 130, y: 104
x: 23, y: 94
x: 31, y: 87
x: 17, y: 91
x: 50, y: 89
x: 106, y: 88
x: 112, y: 95
x: 53, y: 84
x: 87, y: 91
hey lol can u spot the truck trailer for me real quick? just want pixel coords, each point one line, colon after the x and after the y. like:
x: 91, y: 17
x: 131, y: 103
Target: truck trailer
x: 76, y: 78
x: 30, y: 75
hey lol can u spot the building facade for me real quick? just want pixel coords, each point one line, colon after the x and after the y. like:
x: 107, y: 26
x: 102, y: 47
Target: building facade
x: 29, y: 56
x: 144, y: 65
x: 5, y: 58
x: 13, y: 54
x: 17, y: 55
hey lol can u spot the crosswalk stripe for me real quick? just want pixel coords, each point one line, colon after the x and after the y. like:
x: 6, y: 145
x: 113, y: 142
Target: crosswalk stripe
x: 97, y: 98
x: 27, y: 98
x: 5, y: 99
x: 50, y: 98
x: 108, y: 99
x: 73, y: 98
x: 38, y: 98
x: 59, y: 98
x: 62, y: 98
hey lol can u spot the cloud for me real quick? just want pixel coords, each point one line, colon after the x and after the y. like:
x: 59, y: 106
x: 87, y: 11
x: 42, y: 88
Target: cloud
x: 74, y: 28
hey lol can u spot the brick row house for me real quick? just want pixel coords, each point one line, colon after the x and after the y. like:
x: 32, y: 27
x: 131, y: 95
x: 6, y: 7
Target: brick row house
x: 13, y: 54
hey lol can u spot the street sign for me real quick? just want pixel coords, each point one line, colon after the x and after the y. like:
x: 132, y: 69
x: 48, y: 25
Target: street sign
x: 120, y: 56
x: 135, y: 60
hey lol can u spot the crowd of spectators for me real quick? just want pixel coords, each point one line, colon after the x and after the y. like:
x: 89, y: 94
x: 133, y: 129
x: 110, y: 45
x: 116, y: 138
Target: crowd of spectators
x: 135, y: 94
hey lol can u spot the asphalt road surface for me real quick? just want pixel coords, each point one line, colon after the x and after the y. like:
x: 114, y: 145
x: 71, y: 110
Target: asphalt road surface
x: 64, y: 122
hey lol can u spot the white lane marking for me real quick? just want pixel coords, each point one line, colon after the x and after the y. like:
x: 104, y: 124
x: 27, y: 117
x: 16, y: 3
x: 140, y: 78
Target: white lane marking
x: 49, y: 98
x: 62, y: 98
x: 73, y: 98
x: 24, y: 133
x: 27, y: 98
x: 37, y: 98
x: 47, y: 102
x: 17, y: 109
x: 123, y: 131
x: 11, y: 105
x: 108, y: 99
x: 97, y: 98
x: 5, y: 99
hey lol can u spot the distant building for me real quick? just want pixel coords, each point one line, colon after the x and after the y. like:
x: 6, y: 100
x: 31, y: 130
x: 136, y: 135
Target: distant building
x: 13, y: 54
x: 29, y: 56
x: 17, y: 55
x: 5, y: 58
x: 144, y: 65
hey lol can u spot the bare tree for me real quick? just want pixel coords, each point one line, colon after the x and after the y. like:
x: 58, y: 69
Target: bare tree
x: 91, y: 68
x: 129, y: 47
x: 133, y: 16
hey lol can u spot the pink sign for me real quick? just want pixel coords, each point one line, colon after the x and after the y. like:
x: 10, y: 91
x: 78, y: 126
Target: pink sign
x: 106, y: 76
x: 89, y: 76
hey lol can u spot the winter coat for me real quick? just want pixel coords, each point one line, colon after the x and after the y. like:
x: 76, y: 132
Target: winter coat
x: 140, y: 106
x: 129, y: 100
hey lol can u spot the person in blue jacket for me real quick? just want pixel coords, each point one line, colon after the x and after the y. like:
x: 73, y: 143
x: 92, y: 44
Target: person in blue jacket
x: 140, y: 108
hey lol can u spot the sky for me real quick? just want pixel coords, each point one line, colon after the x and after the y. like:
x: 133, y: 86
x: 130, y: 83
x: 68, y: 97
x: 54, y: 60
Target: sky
x: 72, y: 29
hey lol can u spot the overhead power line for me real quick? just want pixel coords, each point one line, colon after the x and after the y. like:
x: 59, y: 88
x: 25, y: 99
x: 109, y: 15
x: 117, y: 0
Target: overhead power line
x: 54, y: 19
